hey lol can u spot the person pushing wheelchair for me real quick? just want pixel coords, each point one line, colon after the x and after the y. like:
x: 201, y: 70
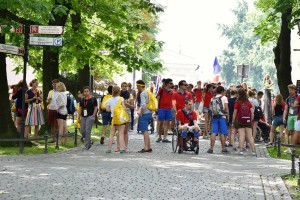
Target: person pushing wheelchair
x: 187, y: 124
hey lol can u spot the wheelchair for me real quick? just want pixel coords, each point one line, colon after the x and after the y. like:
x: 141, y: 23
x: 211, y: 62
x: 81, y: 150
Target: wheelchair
x: 189, y: 145
x: 263, y: 132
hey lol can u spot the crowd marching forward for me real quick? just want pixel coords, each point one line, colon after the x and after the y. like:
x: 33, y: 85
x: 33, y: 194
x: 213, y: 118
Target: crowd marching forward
x: 231, y: 113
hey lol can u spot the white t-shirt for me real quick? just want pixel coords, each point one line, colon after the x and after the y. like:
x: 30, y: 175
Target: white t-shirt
x: 61, y: 100
x: 254, y: 102
x: 53, y: 101
x: 224, y: 100
x: 112, y: 102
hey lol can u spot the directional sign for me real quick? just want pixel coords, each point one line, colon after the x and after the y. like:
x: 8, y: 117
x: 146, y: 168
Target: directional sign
x: 55, y: 30
x: 18, y: 29
x: 45, y: 41
x: 12, y: 49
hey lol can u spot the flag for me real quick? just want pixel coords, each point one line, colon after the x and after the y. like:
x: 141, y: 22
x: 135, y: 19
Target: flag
x: 217, y: 67
x: 217, y: 71
x: 198, y: 67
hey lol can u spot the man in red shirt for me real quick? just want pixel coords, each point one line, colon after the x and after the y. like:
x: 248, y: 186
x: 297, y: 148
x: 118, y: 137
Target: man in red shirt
x: 297, y: 123
x: 179, y: 97
x: 187, y: 118
x: 198, y: 96
x: 164, y: 99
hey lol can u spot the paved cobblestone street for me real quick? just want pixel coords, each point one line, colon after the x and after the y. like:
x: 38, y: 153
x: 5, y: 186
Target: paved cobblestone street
x: 93, y: 174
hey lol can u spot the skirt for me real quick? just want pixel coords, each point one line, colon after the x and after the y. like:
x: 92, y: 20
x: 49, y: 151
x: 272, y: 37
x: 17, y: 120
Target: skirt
x: 35, y: 115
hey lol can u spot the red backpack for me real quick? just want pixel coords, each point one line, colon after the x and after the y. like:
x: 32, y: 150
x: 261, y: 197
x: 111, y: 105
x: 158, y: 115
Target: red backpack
x: 244, y: 117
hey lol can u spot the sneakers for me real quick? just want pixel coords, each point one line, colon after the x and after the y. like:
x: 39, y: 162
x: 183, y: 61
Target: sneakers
x: 289, y: 151
x: 158, y: 140
x: 166, y: 141
x: 225, y: 151
x: 210, y: 151
x: 253, y: 153
x: 205, y: 136
x: 102, y: 140
x: 239, y: 152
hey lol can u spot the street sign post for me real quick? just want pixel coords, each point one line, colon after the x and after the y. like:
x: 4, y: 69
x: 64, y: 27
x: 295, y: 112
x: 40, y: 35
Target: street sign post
x: 45, y: 41
x: 18, y: 29
x: 52, y: 30
x: 12, y: 49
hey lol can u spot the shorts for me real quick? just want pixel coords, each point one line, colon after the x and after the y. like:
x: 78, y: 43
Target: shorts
x: 164, y: 114
x: 237, y: 125
x: 106, y: 118
x: 60, y: 116
x: 52, y: 117
x: 278, y: 121
x: 297, y: 126
x: 196, y: 105
x: 219, y: 125
x: 291, y: 122
x: 19, y: 112
x: 205, y: 109
x: 144, y: 122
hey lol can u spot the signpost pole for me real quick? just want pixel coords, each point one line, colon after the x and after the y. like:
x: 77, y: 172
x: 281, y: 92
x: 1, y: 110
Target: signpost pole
x: 25, y: 58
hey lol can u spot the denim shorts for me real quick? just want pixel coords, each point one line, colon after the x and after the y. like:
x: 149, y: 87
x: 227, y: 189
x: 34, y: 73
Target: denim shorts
x: 196, y: 105
x: 106, y: 118
x: 144, y: 122
x: 278, y: 121
x: 219, y: 125
x: 205, y: 109
x: 297, y: 126
x: 164, y: 114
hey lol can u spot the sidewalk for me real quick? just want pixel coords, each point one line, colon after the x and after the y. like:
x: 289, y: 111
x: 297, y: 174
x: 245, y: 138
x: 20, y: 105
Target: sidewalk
x: 162, y: 174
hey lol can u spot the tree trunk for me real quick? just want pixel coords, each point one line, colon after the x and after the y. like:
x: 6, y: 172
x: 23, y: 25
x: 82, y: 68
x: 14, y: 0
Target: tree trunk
x: 50, y: 64
x: 283, y: 54
x: 7, y: 127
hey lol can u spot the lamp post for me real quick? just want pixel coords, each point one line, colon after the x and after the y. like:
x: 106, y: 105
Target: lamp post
x: 243, y: 71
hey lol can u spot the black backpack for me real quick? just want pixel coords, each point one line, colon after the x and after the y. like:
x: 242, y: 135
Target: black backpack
x: 70, y: 105
x: 258, y: 113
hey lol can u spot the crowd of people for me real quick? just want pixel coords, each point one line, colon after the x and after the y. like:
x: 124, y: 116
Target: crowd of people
x: 33, y: 112
x: 230, y: 112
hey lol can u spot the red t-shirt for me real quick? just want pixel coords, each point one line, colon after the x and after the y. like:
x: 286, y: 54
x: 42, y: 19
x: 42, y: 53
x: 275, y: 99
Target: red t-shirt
x: 182, y: 118
x: 298, y: 99
x: 181, y: 98
x: 207, y: 99
x: 237, y: 106
x: 165, y: 100
x: 198, y: 94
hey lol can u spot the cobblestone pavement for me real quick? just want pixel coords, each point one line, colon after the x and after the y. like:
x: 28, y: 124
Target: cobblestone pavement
x: 93, y: 174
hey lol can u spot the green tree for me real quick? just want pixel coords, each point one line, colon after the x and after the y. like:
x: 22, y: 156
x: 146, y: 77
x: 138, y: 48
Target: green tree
x: 125, y: 29
x: 244, y: 48
x: 276, y: 28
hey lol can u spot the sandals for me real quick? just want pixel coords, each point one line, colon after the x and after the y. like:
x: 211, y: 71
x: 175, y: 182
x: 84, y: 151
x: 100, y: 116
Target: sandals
x: 145, y: 151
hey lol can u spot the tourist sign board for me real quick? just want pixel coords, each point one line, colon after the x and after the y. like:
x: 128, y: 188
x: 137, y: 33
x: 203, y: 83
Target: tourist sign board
x: 12, y: 49
x: 45, y: 41
x: 54, y: 30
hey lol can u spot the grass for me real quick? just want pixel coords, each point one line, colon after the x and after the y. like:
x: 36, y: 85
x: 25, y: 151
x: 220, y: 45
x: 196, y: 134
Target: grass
x: 273, y: 153
x: 39, y: 146
x: 291, y: 183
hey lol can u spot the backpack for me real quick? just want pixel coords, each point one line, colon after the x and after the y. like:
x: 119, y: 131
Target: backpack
x: 216, y: 107
x: 105, y: 101
x: 70, y: 105
x: 244, y: 117
x: 120, y: 115
x: 258, y: 113
x: 50, y: 95
x: 152, y: 104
